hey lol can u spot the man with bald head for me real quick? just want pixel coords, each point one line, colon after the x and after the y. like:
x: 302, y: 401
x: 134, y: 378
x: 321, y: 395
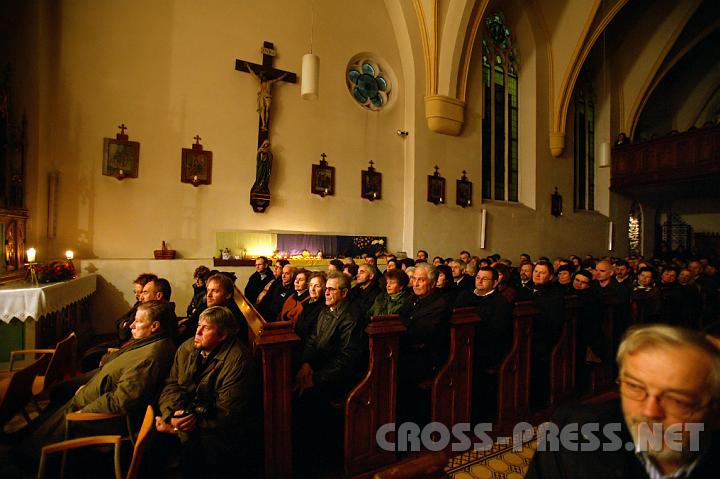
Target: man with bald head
x: 366, y: 289
x: 279, y: 292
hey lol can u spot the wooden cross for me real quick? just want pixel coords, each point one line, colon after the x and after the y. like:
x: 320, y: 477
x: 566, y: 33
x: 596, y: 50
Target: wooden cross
x: 122, y: 128
x: 266, y: 74
x: 197, y: 139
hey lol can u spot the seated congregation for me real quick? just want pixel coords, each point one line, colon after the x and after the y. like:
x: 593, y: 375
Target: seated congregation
x: 293, y: 376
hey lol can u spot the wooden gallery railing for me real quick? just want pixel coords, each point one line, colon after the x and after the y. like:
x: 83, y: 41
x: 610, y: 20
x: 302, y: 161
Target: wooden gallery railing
x: 514, y: 370
x: 369, y: 405
x: 452, y: 386
x: 562, y: 357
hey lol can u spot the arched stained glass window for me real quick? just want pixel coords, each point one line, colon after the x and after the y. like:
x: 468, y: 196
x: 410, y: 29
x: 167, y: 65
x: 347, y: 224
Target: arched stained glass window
x: 584, y: 171
x: 635, y: 222
x: 500, y: 112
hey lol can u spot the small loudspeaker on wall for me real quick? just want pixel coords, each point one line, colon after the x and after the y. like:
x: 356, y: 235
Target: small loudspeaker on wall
x: 483, y: 228
x: 53, y: 184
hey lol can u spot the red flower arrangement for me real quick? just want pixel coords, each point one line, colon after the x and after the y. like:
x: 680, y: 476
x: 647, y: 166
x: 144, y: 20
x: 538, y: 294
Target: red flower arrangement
x: 54, y: 271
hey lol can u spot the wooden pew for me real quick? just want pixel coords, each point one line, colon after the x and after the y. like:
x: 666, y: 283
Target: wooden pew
x: 602, y: 376
x: 372, y: 402
x: 369, y: 404
x: 562, y: 357
x: 272, y: 345
x: 514, y: 370
x: 452, y: 386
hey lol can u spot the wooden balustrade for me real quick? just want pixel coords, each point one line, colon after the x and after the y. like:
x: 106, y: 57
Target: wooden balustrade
x: 691, y: 155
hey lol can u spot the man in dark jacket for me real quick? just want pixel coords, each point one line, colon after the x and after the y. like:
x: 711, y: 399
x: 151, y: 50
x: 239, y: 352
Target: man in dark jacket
x: 366, y: 289
x: 258, y: 279
x: 493, y: 337
x: 205, y: 405
x: 330, y: 367
x: 666, y: 424
x: 280, y: 290
x: 424, y: 346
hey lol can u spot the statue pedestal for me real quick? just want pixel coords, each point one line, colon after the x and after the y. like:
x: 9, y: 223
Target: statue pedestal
x: 259, y: 200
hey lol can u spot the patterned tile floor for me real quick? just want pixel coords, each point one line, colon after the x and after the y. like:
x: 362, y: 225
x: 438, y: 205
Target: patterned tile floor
x: 500, y: 462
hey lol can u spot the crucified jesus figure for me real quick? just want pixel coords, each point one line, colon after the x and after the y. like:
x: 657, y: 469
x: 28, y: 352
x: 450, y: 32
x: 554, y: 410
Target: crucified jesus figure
x: 264, y: 96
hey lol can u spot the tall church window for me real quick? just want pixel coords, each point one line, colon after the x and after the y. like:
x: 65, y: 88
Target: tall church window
x: 500, y: 112
x: 584, y: 171
x: 635, y: 222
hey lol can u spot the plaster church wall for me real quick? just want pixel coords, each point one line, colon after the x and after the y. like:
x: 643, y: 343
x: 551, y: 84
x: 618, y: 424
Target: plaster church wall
x: 166, y: 70
x: 512, y: 228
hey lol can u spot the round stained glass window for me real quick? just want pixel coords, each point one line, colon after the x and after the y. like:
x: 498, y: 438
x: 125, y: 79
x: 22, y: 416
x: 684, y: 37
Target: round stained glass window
x: 368, y: 82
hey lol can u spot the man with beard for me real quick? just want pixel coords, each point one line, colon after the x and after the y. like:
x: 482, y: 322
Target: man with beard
x: 220, y: 292
x: 525, y: 284
x: 204, y: 418
x: 665, y: 425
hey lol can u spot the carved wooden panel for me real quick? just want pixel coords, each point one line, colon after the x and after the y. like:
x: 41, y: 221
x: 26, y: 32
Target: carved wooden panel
x: 668, y: 160
x: 562, y: 358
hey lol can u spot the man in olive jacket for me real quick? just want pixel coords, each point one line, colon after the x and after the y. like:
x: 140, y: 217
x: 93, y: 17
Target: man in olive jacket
x: 205, y: 404
x: 126, y: 384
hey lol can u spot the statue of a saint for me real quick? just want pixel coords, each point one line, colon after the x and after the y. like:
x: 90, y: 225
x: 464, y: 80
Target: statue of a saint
x: 263, y: 168
x: 264, y: 95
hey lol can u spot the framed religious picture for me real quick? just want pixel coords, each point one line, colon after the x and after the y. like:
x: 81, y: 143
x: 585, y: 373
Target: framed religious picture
x: 323, y: 178
x: 436, y: 188
x: 371, y: 183
x: 121, y: 157
x: 196, y: 165
x: 464, y: 191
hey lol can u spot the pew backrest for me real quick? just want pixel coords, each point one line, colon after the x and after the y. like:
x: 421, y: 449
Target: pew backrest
x: 372, y: 402
x: 514, y: 370
x: 452, y: 386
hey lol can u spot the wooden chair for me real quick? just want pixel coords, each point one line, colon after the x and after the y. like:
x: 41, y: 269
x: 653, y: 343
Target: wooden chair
x: 114, y: 440
x: 58, y: 367
x: 16, y: 390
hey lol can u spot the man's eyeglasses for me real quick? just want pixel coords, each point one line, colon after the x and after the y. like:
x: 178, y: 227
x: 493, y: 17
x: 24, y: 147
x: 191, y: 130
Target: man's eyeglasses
x: 672, y: 404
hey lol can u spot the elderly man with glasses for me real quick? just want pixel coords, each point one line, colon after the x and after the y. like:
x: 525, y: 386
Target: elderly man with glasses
x: 330, y: 366
x: 665, y: 424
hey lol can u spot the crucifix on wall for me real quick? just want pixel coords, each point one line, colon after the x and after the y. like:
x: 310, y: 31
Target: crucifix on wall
x: 267, y: 76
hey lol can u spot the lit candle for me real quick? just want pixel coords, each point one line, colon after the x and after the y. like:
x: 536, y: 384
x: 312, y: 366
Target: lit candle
x: 69, y: 254
x: 195, y: 178
x: 31, y: 252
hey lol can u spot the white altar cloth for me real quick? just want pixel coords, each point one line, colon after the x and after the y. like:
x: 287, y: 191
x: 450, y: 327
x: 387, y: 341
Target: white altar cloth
x: 21, y: 300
